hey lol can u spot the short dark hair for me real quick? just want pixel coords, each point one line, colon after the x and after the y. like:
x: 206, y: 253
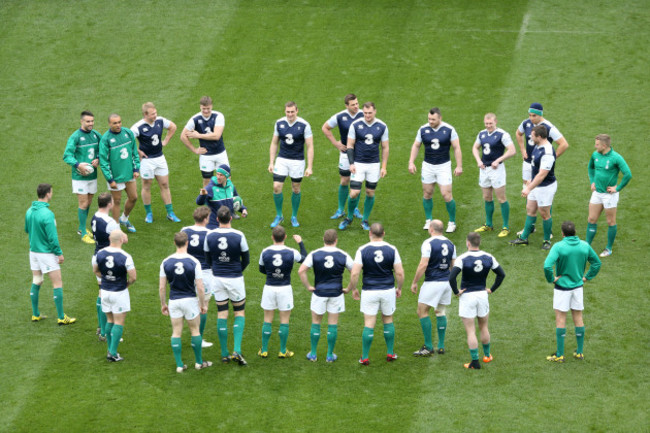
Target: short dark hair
x: 223, y: 215
x: 604, y: 139
x: 350, y: 97
x: 201, y: 213
x: 43, y: 189
x: 279, y: 233
x: 568, y: 228
x: 180, y: 239
x: 369, y: 105
x: 86, y: 113
x: 205, y: 101
x: 290, y: 104
x: 104, y: 199
x: 435, y: 110
x: 110, y: 116
x: 377, y: 230
x: 330, y: 236
x: 540, y: 131
x: 474, y: 239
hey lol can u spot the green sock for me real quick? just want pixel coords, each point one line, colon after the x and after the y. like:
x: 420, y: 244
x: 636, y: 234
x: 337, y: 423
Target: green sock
x: 441, y: 324
x: 344, y: 192
x: 580, y: 337
x: 314, y: 335
x: 427, y: 204
x: 58, y: 301
x: 197, y: 345
x: 489, y: 212
x: 278, y: 199
x: 169, y: 208
x: 528, y: 227
x: 147, y: 209
x: 611, y: 235
x: 367, y: 207
x: 332, y: 334
x: 98, y: 308
x: 102, y: 322
x: 204, y: 319
x: 505, y: 213
x: 82, y: 215
x: 116, y: 335
x: 426, y: 325
x: 548, y: 228
x: 295, y: 203
x: 451, y: 210
x: 33, y: 294
x: 108, y: 329
x: 177, y: 350
x: 238, y: 332
x: 284, y: 336
x: 389, y: 336
x: 560, y: 333
x: 266, y: 335
x: 486, y: 349
x: 474, y: 354
x: 222, y: 333
x: 367, y: 336
x: 352, y: 205
x: 591, y: 232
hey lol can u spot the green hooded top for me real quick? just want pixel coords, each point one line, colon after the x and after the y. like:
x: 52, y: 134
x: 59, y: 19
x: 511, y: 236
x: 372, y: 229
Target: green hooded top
x: 41, y: 227
x: 570, y: 257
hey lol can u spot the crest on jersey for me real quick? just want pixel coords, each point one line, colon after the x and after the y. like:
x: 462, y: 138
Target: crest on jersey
x: 299, y: 128
x: 344, y: 118
x: 427, y: 131
x: 528, y: 125
x: 200, y: 121
x: 145, y: 129
x: 282, y: 126
x: 112, y: 140
x: 360, y: 126
x: 482, y: 135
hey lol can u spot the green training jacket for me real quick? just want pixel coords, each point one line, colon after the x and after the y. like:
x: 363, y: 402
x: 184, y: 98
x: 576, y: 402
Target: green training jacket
x: 41, y: 227
x: 570, y: 257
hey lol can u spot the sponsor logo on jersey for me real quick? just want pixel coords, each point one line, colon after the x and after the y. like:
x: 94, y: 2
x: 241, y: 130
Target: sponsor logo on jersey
x: 344, y: 118
x: 482, y: 135
x: 112, y: 140
x: 282, y: 126
x: 82, y: 138
x: 145, y: 129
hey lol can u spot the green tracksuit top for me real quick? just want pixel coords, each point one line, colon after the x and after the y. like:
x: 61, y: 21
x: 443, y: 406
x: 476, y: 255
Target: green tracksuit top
x: 41, y: 227
x: 603, y: 170
x: 82, y: 147
x: 570, y: 257
x: 118, y: 155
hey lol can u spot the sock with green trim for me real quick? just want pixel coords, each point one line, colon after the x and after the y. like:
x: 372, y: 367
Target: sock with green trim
x: 474, y: 354
x: 427, y: 204
x: 505, y: 213
x: 222, y: 333
x: 611, y: 235
x: 33, y: 295
x: 238, y: 332
x: 169, y: 208
x: 82, y: 216
x: 116, y: 335
x: 344, y: 192
x: 441, y: 324
x: 108, y: 328
x: 548, y: 228
x: 58, y: 301
x: 368, y: 204
x: 389, y: 336
x: 332, y: 334
x: 197, y: 345
x: 427, y: 327
x: 489, y: 212
x: 177, y: 351
x: 267, y: 328
x: 147, y: 209
x: 560, y: 333
x: 352, y: 205
x: 295, y: 203
x: 203, y: 320
x: 98, y: 308
x: 528, y: 227
x: 102, y: 322
x: 284, y: 336
x: 314, y: 335
x: 278, y: 199
x: 366, y: 337
x: 451, y: 210
x: 580, y: 337
x: 486, y: 349
x: 591, y: 232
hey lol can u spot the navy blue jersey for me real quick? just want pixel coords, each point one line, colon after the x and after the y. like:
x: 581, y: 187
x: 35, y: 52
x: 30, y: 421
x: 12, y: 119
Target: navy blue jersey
x: 102, y: 225
x: 278, y: 261
x: 328, y: 263
x: 196, y: 242
x: 543, y: 157
x: 475, y: 267
x: 526, y: 127
x: 114, y: 264
x: 367, y: 140
x: 436, y: 142
x: 493, y: 144
x: 343, y: 120
x: 378, y: 260
x: 226, y: 247
x: 181, y: 271
x: 150, y: 136
x: 202, y: 125
x: 292, y: 137
x: 440, y: 252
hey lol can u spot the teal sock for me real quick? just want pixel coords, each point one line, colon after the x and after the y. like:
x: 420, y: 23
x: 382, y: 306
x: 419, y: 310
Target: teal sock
x: 352, y: 205
x: 177, y: 350
x: 560, y: 333
x: 441, y: 324
x: 505, y: 213
x: 284, y: 336
x: 98, y: 308
x: 367, y: 336
x: 197, y: 345
x: 116, y: 335
x: 278, y: 199
x: 389, y: 336
x: 486, y: 349
x: 528, y: 227
x: 147, y: 209
x: 548, y: 228
x: 489, y: 212
x: 267, y: 328
x: 204, y: 319
x: 580, y: 337
x: 58, y: 301
x: 426, y: 325
x: 474, y: 354
x: 295, y: 203
x: 238, y: 332
x: 82, y: 215
x: 451, y: 210
x: 109, y: 340
x: 314, y: 335
x: 611, y: 235
x: 33, y: 294
x: 102, y: 322
x: 222, y: 333
x: 344, y: 192
x: 427, y: 204
x: 169, y: 208
x: 591, y: 232
x: 332, y: 334
x: 367, y: 207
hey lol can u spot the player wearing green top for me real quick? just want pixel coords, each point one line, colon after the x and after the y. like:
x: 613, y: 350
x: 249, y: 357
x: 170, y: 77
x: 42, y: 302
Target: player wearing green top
x: 569, y: 258
x: 120, y: 163
x: 81, y: 154
x: 604, y: 167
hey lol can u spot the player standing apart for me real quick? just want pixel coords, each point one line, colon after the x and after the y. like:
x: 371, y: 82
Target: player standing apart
x: 45, y: 255
x: 496, y: 146
x: 120, y: 163
x: 438, y: 256
x: 186, y: 300
x: 220, y: 191
x: 292, y: 134
x: 475, y: 265
x: 276, y: 262
x: 438, y: 138
x: 206, y: 126
x: 569, y: 257
x: 149, y: 132
x: 365, y: 137
x: 603, y: 169
x: 379, y: 260
x: 343, y: 120
x: 81, y: 153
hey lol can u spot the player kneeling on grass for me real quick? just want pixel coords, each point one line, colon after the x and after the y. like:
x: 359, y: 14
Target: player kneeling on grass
x: 475, y: 266
x: 186, y: 299
x: 220, y: 191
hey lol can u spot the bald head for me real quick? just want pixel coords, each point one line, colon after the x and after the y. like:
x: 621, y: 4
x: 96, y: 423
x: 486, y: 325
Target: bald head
x: 117, y: 238
x: 376, y: 231
x: 435, y: 228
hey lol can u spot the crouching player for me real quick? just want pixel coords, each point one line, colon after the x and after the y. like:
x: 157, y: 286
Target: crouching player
x: 220, y: 191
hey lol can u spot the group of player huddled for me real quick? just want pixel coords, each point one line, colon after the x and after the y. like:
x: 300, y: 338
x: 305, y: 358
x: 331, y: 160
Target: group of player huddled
x: 211, y: 256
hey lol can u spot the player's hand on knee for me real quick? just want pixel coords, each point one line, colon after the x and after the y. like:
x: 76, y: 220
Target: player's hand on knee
x: 244, y: 213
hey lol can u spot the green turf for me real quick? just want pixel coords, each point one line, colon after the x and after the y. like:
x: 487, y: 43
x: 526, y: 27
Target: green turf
x: 583, y: 61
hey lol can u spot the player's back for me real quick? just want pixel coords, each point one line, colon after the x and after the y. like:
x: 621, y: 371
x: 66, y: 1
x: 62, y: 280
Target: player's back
x: 329, y: 264
x: 441, y: 252
x: 225, y: 247
x: 114, y: 264
x: 378, y: 260
x: 475, y: 267
x: 278, y: 261
x: 181, y: 271
x: 196, y: 243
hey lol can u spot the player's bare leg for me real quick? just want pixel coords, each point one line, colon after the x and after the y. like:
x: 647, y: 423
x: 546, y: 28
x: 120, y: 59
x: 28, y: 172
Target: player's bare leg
x: 427, y: 203
x: 472, y: 342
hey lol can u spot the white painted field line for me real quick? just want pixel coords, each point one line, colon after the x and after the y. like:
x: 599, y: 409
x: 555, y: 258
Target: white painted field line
x: 522, y: 31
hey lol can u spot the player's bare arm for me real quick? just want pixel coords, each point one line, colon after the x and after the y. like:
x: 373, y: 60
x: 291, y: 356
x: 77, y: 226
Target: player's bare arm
x: 273, y: 150
x: 476, y: 154
x: 309, y: 143
x: 522, y: 146
x: 384, y: 158
x: 350, y: 151
x: 415, y: 149
x: 170, y: 133
x: 186, y: 141
x: 458, y: 154
x: 532, y: 184
x: 562, y: 146
x: 327, y: 130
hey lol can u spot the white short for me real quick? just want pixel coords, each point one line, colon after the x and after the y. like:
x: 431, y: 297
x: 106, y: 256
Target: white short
x: 367, y: 172
x: 208, y: 282
x: 543, y: 195
x: 473, y: 304
x: 608, y: 200
x: 44, y: 262
x: 152, y: 167
x: 322, y: 304
x: 434, y: 293
x: 526, y: 171
x: 99, y: 280
x: 84, y: 186
x: 344, y: 162
x: 184, y: 307
x: 228, y: 288
x: 565, y: 300
x: 294, y: 168
x: 436, y: 173
x: 121, y: 186
x: 492, y: 178
x: 277, y: 298
x: 115, y: 302
x: 212, y: 162
x: 373, y: 300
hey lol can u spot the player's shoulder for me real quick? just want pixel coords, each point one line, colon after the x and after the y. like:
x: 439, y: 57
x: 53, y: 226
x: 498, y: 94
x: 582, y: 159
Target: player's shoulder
x: 217, y: 113
x: 547, y: 124
x: 138, y: 124
x: 301, y: 120
x: 195, y: 228
x: 446, y: 126
x: 380, y: 122
x: 500, y: 131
